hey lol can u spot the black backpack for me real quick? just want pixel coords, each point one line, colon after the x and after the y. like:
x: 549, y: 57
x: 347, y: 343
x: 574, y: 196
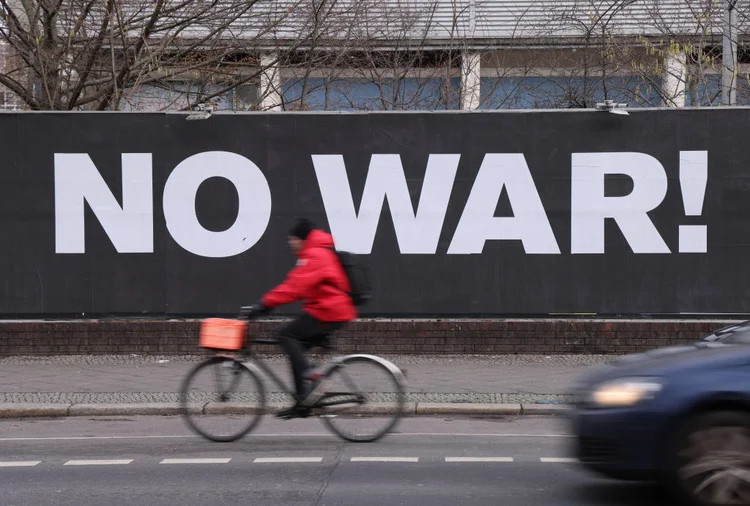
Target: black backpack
x: 359, y: 276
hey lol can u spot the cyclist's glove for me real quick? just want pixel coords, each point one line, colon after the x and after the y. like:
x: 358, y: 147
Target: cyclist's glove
x: 253, y: 310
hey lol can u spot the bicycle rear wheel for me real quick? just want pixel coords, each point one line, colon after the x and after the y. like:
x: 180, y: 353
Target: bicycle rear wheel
x: 221, y: 399
x: 364, y: 400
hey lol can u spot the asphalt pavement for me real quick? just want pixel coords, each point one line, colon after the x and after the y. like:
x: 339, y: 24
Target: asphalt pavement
x: 508, y: 460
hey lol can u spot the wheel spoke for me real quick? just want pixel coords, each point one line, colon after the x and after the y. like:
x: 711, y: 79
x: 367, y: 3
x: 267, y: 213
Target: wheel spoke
x: 219, y: 408
x: 374, y: 400
x: 716, y: 464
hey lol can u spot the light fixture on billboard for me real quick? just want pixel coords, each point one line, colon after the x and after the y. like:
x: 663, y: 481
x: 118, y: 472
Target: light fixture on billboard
x: 613, y: 107
x: 203, y: 112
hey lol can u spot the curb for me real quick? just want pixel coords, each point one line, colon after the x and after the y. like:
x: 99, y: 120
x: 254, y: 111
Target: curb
x: 160, y: 408
x: 545, y: 409
x: 32, y: 410
x: 435, y: 408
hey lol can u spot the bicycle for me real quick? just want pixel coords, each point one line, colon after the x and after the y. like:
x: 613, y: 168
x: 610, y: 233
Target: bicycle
x: 225, y: 402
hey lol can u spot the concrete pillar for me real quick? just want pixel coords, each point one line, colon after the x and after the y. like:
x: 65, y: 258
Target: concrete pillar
x: 729, y: 53
x: 269, y: 93
x: 471, y: 67
x: 675, y: 76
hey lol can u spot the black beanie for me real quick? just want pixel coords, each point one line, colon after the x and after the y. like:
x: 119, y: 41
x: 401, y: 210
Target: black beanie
x: 302, y: 228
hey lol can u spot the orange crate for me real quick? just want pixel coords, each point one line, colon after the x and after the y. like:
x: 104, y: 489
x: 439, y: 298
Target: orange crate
x: 222, y: 334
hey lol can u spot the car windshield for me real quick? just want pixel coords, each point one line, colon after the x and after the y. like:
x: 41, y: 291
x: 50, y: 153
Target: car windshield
x: 735, y: 334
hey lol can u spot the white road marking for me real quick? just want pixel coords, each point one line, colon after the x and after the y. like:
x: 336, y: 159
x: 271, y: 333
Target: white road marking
x: 280, y: 460
x: 479, y: 459
x: 275, y: 460
x: 87, y: 438
x: 195, y: 461
x: 98, y: 462
x: 385, y: 459
x: 296, y: 435
x: 21, y: 463
x: 476, y: 434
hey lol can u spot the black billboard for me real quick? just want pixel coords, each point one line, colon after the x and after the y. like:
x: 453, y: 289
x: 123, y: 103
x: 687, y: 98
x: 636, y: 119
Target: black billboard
x: 481, y: 213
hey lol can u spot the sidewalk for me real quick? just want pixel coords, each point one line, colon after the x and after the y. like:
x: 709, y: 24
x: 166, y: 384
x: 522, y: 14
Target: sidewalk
x: 143, y: 384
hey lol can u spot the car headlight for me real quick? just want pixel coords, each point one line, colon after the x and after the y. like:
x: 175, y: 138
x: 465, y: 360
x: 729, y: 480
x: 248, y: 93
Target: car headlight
x: 624, y: 392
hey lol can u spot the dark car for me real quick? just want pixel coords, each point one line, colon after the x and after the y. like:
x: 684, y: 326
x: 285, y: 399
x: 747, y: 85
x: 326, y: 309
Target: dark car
x: 678, y: 415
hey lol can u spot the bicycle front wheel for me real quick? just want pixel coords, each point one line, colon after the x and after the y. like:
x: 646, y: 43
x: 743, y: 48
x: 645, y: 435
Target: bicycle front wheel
x: 364, y: 400
x: 221, y: 399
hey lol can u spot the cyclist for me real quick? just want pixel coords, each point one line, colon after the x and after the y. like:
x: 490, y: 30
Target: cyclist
x: 320, y: 281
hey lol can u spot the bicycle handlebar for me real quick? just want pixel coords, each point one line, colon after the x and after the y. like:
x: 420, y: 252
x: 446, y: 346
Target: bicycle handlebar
x: 246, y: 313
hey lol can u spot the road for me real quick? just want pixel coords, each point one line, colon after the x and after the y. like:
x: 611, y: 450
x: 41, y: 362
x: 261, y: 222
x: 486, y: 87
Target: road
x: 511, y: 461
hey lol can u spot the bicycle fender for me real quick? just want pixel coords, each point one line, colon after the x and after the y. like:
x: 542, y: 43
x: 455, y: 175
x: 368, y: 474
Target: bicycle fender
x: 253, y: 368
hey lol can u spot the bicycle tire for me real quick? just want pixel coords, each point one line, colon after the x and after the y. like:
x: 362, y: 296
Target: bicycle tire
x: 388, y: 412
x: 248, y: 408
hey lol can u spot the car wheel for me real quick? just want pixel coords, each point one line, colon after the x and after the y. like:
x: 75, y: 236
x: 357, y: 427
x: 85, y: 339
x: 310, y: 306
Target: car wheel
x: 710, y: 461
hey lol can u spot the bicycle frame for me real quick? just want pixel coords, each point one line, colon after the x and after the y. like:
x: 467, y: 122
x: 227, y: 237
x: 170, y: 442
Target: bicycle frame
x: 318, y: 402
x: 253, y: 361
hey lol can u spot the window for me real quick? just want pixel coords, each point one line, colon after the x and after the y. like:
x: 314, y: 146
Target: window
x: 173, y: 96
x: 245, y: 97
x: 553, y: 92
x: 704, y: 91
x: 731, y: 335
x: 409, y: 94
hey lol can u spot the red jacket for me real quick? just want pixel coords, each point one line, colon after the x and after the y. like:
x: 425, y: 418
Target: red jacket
x: 329, y: 301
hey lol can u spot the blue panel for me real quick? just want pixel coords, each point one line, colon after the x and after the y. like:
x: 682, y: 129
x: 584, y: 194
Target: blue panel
x: 552, y: 92
x: 360, y: 94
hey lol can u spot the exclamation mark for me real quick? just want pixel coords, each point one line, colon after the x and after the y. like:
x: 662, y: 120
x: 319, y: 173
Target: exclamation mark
x: 693, y: 179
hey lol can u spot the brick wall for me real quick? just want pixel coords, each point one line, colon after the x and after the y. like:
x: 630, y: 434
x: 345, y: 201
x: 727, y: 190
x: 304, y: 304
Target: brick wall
x: 544, y: 336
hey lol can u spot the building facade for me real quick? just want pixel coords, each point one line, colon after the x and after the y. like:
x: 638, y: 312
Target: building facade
x: 409, y: 55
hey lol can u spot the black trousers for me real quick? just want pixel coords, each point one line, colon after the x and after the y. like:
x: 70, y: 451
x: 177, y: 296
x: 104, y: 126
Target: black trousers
x: 297, y: 337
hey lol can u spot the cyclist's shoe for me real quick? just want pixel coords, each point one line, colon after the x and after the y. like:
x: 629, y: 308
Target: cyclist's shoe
x: 295, y: 411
